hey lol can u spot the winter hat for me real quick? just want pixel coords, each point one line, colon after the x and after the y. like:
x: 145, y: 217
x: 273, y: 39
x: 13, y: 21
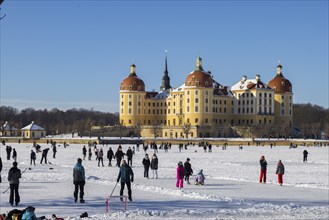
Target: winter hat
x: 15, y: 164
x: 79, y: 160
x: 30, y: 208
x: 180, y: 163
x: 188, y: 159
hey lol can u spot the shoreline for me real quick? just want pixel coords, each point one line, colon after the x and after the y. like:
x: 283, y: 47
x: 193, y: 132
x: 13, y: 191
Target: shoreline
x: 174, y: 141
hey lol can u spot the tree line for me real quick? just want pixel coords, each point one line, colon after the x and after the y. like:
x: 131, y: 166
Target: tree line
x: 309, y: 120
x: 56, y: 121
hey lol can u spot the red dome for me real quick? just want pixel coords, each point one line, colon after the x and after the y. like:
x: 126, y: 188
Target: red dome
x: 132, y: 82
x: 199, y: 78
x: 279, y: 83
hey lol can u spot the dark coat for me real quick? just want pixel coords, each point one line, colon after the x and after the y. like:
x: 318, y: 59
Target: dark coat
x: 84, y: 150
x: 263, y: 164
x: 154, y: 163
x: 110, y: 154
x: 14, y: 175
x: 32, y: 155
x: 129, y: 153
x: 188, y: 168
x: 0, y: 164
x: 280, y: 169
x: 45, y: 152
x: 126, y: 174
x: 119, y: 155
x: 146, y: 163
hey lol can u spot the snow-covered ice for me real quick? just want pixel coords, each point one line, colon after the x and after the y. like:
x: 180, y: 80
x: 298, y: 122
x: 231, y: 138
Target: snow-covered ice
x: 232, y: 190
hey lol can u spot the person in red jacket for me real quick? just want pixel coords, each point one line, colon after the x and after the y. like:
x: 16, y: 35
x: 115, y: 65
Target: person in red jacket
x: 263, y: 168
x: 180, y: 173
x: 280, y: 172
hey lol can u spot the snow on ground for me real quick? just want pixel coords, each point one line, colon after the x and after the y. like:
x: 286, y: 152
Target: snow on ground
x: 232, y: 190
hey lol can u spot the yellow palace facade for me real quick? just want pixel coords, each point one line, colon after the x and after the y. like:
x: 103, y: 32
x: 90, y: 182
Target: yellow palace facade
x: 202, y: 107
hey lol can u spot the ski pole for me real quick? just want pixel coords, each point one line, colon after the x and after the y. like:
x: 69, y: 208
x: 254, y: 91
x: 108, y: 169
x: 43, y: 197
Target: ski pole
x: 9, y: 186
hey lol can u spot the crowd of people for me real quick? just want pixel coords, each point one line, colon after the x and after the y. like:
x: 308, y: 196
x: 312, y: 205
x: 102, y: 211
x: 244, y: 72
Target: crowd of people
x: 124, y: 161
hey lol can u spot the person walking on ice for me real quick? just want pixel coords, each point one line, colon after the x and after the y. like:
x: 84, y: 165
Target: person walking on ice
x: 180, y: 173
x: 126, y: 175
x: 263, y: 168
x: 100, y: 156
x: 110, y: 155
x: 280, y: 172
x: 79, y: 180
x: 305, y: 153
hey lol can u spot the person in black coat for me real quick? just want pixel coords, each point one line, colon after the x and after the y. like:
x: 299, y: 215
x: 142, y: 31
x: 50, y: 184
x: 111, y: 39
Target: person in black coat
x: 119, y: 155
x: 14, y: 155
x: 32, y: 157
x: 54, y: 151
x: 84, y: 152
x: 44, y: 155
x: 110, y: 155
x: 8, y: 151
x: 14, y: 175
x: 188, y: 170
x: 146, y: 162
x: 305, y: 153
x: 130, y: 156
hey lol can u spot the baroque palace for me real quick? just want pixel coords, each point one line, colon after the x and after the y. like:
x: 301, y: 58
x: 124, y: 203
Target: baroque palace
x: 202, y: 107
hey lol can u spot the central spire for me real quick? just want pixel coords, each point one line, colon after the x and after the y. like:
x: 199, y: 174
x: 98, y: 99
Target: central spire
x: 165, y: 79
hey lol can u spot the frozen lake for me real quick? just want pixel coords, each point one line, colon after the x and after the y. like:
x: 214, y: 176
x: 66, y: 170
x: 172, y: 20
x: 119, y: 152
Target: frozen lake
x: 232, y: 189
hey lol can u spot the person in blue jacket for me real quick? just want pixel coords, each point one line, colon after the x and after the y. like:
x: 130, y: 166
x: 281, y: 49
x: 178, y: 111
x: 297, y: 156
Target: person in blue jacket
x: 79, y: 180
x: 126, y: 175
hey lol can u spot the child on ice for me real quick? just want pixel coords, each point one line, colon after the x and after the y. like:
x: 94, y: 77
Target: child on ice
x: 199, y: 179
x: 180, y: 173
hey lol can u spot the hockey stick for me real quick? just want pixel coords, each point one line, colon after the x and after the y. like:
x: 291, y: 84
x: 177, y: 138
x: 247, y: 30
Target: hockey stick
x: 114, y: 189
x: 9, y: 186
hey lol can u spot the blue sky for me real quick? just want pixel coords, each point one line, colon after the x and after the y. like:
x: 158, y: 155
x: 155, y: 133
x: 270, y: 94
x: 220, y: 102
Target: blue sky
x: 74, y: 54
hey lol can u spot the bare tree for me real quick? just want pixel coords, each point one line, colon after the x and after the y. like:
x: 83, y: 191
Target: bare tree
x: 156, y: 129
x: 186, y: 129
x: 138, y: 129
